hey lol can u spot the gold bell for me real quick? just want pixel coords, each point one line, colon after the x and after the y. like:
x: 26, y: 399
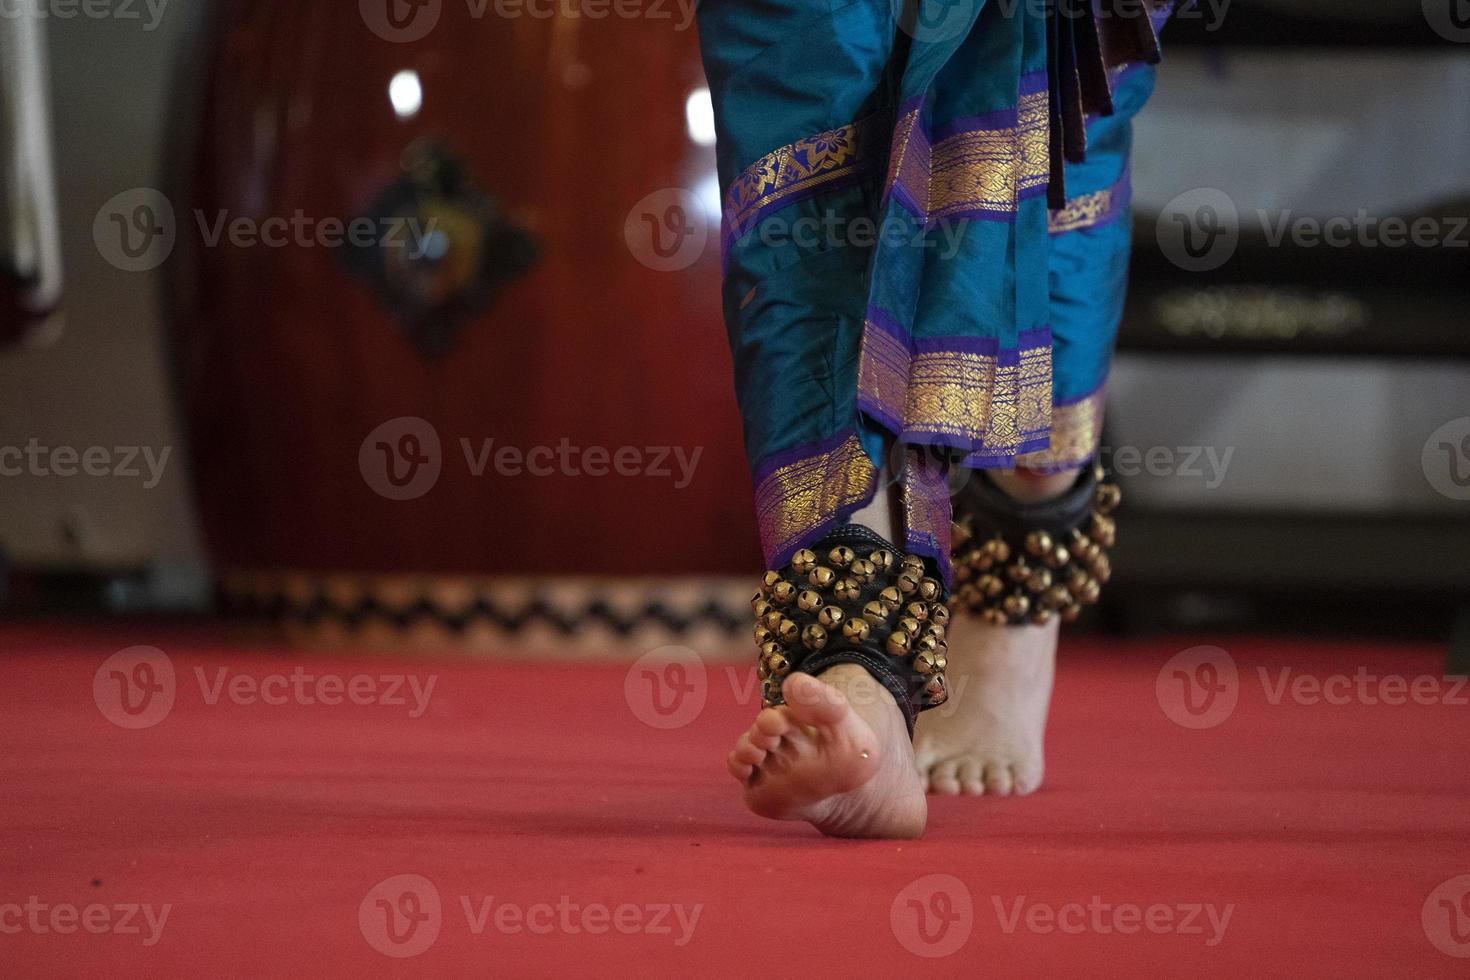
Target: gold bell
x: 788, y: 631
x: 856, y: 630
x: 907, y: 583
x: 1091, y: 592
x: 1057, y: 596
x: 917, y: 610
x: 1102, y: 568
x: 809, y: 601
x: 980, y: 561
x: 862, y: 570
x: 991, y: 586
x: 875, y: 613
x: 930, y: 589
x: 769, y: 580
x: 891, y: 598
x: 936, y: 690
x: 814, y: 637
x: 1039, y: 580
x: 1108, y: 496
x: 1070, y: 613
x: 898, y: 643
x: 841, y: 556
x: 782, y: 593
x: 773, y: 620
x: 908, y: 625
x: 913, y: 562
x: 993, y: 616
x: 821, y: 577
x: 847, y: 590
x: 926, y: 662
x: 997, y: 549
x: 1104, y: 530
x: 935, y: 632
x: 1058, y: 556
x: 939, y: 614
x: 1038, y: 543
x: 762, y: 635
x: 830, y: 617
x: 1041, y: 615
x: 777, y: 663
x: 1016, y: 606
x: 761, y: 605
x: 881, y: 559
x: 1019, y: 571
x: 768, y: 650
x: 803, y: 561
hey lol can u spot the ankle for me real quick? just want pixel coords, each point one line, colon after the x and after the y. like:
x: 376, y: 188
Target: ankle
x: 1030, y: 486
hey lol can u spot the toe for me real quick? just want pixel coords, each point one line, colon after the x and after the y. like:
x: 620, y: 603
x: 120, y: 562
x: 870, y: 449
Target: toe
x: 944, y: 779
x: 772, y: 721
x: 998, y: 779
x: 971, y: 776
x: 747, y: 752
x: 738, y: 769
x: 810, y: 702
x: 1027, y: 778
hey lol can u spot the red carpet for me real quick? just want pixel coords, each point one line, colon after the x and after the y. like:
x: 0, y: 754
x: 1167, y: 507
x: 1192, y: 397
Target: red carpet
x: 555, y: 833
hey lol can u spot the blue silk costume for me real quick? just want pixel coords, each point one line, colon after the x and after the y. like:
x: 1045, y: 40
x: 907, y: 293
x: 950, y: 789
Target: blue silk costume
x: 925, y: 238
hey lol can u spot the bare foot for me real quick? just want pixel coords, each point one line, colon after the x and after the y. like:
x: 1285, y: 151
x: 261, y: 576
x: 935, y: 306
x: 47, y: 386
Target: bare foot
x: 836, y: 755
x: 987, y: 739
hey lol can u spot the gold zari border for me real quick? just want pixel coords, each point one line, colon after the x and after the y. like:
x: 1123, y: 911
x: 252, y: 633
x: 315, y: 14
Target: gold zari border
x: 795, y: 168
x: 1082, y: 211
x: 794, y: 499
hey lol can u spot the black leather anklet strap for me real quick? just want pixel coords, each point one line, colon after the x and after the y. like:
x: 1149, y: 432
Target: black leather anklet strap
x: 850, y: 599
x: 1018, y: 563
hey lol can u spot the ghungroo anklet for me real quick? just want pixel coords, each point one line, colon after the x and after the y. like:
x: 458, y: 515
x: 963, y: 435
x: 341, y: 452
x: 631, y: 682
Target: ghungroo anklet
x: 1018, y: 563
x: 851, y: 598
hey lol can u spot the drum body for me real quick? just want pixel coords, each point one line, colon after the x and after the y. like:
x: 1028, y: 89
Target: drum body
x: 447, y: 302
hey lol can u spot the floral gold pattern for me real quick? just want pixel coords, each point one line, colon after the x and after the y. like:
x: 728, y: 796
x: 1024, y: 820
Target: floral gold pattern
x: 797, y: 168
x: 1083, y: 211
